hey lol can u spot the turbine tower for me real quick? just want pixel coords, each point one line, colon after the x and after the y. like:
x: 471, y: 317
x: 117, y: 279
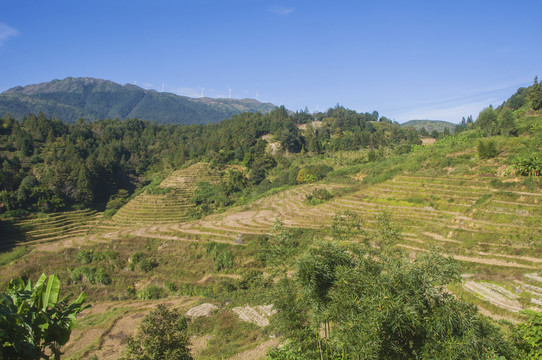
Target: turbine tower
x: 257, y: 96
x: 162, y: 87
x: 229, y: 91
x: 202, y: 90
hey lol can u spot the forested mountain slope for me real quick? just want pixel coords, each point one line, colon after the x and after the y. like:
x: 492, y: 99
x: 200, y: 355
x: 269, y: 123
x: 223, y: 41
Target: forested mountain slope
x: 92, y: 99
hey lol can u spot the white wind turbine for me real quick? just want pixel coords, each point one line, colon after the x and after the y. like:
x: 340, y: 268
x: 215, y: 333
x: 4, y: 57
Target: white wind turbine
x: 202, y: 90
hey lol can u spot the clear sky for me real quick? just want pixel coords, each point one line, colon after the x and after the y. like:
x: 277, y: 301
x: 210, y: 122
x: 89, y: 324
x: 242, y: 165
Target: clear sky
x: 406, y: 59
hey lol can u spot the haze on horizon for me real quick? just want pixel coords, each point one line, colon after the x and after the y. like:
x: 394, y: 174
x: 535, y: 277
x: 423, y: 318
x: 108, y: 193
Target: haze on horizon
x: 407, y: 60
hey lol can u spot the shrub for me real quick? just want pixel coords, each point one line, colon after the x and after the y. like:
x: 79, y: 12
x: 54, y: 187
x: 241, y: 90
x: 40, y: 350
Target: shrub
x: 221, y: 255
x: 151, y: 292
x: 93, y: 275
x: 171, y: 286
x: 531, y: 336
x: 161, y: 335
x: 487, y: 149
x: 146, y: 265
x: 531, y: 166
x: 140, y: 261
x: 89, y: 256
x: 318, y: 196
x: 312, y: 173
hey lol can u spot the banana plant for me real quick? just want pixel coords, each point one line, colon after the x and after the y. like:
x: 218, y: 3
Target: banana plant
x: 34, y: 324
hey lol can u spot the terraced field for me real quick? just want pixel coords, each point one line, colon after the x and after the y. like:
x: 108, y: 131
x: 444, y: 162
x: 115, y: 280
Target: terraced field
x: 173, y: 206
x: 56, y: 226
x: 496, y: 234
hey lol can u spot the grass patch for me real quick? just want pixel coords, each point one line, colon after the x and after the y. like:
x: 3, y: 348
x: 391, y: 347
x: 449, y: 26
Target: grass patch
x: 228, y: 334
x: 12, y: 255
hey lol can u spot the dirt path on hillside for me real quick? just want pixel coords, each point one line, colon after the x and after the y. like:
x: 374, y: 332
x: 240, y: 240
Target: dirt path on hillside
x: 258, y: 352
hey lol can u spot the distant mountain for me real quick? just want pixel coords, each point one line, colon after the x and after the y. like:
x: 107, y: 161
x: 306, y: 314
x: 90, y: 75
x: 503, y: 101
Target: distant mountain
x: 93, y: 99
x: 430, y: 125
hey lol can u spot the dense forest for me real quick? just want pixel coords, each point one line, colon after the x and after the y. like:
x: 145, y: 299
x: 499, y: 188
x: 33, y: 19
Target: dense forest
x: 48, y: 165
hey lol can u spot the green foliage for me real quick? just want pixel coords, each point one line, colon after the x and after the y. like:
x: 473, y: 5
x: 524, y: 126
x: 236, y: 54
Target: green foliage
x: 151, y: 292
x: 429, y: 125
x: 487, y: 149
x: 318, y: 196
x: 535, y: 95
x: 507, y: 123
x: 487, y: 121
x: 34, y: 324
x: 278, y: 246
x: 161, y: 335
x: 517, y: 100
x: 117, y: 201
x: 208, y: 197
x: 140, y: 261
x: 347, y: 225
x: 10, y: 256
x: 530, y: 333
x: 367, y: 302
x: 312, y: 173
x: 305, y: 176
x: 91, y: 274
x: 89, y: 256
x: 529, y: 166
x: 221, y: 254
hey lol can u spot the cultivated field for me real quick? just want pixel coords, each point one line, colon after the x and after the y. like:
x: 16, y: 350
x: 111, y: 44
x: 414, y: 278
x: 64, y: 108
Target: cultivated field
x: 495, y: 234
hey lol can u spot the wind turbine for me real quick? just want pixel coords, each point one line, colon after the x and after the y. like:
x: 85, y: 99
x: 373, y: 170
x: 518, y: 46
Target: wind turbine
x: 229, y: 91
x: 257, y: 96
x: 162, y: 87
x: 202, y: 90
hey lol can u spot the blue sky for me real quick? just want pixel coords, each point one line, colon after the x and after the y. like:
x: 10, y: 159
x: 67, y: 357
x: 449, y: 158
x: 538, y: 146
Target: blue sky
x: 405, y: 59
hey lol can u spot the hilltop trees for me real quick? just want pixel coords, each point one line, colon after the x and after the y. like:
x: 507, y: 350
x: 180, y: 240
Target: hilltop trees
x: 535, y: 95
x: 47, y: 165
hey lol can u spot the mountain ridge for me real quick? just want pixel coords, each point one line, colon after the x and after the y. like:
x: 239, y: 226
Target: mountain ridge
x: 90, y: 98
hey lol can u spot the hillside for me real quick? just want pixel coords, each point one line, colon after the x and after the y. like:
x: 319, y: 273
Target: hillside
x: 92, y: 99
x: 430, y: 125
x: 362, y: 228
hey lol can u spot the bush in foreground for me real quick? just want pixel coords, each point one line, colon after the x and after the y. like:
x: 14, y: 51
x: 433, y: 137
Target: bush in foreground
x: 161, y: 335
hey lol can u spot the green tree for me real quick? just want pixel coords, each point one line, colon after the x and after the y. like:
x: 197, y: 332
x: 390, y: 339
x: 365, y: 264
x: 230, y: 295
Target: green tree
x: 487, y: 149
x: 161, y: 335
x: 84, y: 186
x: 359, y: 301
x: 535, y: 95
x: 487, y: 121
x: 34, y: 324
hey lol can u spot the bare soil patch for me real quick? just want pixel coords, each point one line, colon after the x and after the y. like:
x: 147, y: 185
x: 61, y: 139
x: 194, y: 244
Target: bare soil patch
x: 495, y: 294
x: 201, y: 310
x: 257, y: 315
x: 258, y: 352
